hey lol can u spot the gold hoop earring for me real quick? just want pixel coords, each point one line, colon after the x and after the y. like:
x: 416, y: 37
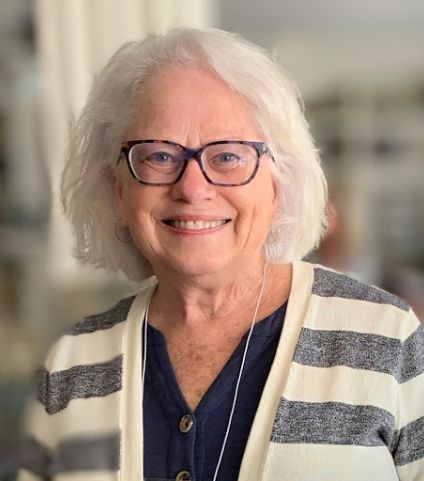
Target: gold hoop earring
x: 121, y: 239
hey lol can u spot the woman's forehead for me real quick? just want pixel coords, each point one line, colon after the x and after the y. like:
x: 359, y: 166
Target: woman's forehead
x: 183, y: 98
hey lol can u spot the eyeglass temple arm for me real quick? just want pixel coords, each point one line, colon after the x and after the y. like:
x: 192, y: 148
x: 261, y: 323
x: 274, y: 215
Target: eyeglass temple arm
x: 125, y: 149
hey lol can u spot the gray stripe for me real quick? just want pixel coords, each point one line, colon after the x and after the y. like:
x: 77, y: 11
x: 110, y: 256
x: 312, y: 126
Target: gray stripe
x: 362, y: 351
x: 93, y: 380
x: 35, y: 458
x: 413, y: 355
x: 332, y: 284
x: 332, y: 423
x: 105, y: 320
x: 81, y: 454
x: 410, y: 446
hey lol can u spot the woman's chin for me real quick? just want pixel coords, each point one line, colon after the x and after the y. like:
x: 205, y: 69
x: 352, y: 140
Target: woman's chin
x: 197, y: 267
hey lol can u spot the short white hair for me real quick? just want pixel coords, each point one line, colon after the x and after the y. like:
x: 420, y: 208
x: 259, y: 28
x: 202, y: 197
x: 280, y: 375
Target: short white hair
x: 87, y: 183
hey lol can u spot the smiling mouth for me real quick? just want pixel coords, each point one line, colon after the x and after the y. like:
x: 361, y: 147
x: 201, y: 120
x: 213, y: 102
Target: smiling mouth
x: 195, y: 224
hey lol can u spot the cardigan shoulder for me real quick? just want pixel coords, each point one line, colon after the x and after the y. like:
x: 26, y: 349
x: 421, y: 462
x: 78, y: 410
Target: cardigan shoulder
x: 109, y: 318
x: 341, y: 303
x: 329, y: 283
x: 86, y: 362
x: 104, y: 320
x: 95, y: 339
x: 361, y: 327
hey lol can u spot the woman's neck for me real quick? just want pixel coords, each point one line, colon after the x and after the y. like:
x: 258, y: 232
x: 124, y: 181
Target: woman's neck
x: 192, y: 302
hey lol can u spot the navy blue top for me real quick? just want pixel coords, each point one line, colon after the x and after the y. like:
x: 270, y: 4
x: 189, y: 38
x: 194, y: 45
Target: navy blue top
x: 168, y: 450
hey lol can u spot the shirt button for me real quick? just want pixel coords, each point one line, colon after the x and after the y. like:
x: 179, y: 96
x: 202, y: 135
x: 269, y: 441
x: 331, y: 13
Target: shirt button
x: 183, y: 476
x: 186, y: 423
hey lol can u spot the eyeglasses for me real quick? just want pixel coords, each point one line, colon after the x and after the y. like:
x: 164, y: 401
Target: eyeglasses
x: 223, y: 162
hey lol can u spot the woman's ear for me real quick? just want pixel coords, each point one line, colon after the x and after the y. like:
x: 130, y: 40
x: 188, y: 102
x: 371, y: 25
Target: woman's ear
x: 119, y: 190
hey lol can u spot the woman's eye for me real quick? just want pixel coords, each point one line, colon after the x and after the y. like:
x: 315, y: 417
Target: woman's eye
x: 226, y: 161
x: 160, y: 157
x: 226, y: 157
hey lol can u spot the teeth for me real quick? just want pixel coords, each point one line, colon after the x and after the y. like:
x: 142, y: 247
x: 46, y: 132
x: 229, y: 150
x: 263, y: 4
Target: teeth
x: 196, y: 224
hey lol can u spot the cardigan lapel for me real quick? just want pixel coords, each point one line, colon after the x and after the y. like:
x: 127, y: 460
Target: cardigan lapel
x: 131, y: 401
x: 260, y: 434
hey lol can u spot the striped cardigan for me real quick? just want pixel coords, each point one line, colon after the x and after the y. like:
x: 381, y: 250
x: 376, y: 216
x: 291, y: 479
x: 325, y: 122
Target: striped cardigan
x: 344, y: 400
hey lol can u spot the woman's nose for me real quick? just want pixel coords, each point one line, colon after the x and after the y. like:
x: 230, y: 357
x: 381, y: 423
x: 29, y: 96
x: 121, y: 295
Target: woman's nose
x: 193, y: 186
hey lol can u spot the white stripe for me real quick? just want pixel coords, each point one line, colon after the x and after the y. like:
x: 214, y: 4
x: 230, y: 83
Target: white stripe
x: 412, y: 471
x: 89, y: 417
x: 306, y: 462
x: 342, y: 384
x: 411, y: 395
x: 358, y: 387
x: 337, y: 314
x: 96, y: 347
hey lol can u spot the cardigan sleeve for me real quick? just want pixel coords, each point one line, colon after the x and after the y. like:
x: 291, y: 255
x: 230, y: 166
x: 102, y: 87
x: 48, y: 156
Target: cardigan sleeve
x: 34, y: 457
x: 408, y: 448
x: 36, y: 450
x: 73, y: 425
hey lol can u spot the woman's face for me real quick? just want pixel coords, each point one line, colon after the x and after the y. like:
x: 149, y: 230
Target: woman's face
x: 189, y: 105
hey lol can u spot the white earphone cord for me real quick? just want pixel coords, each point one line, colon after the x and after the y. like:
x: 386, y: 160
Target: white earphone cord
x: 143, y: 373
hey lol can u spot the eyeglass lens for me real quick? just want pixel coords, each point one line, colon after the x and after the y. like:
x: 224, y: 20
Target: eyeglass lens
x: 162, y: 163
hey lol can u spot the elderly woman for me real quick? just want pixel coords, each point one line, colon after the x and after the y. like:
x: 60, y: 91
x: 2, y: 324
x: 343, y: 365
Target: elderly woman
x: 237, y: 361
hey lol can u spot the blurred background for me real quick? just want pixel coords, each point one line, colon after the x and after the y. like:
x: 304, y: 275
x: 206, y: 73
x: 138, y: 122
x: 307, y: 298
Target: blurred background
x: 360, y: 68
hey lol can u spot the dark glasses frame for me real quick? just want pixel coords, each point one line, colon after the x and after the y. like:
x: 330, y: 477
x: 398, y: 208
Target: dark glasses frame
x: 196, y: 154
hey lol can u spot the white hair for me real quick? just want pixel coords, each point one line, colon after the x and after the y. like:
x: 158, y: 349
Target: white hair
x: 87, y: 185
